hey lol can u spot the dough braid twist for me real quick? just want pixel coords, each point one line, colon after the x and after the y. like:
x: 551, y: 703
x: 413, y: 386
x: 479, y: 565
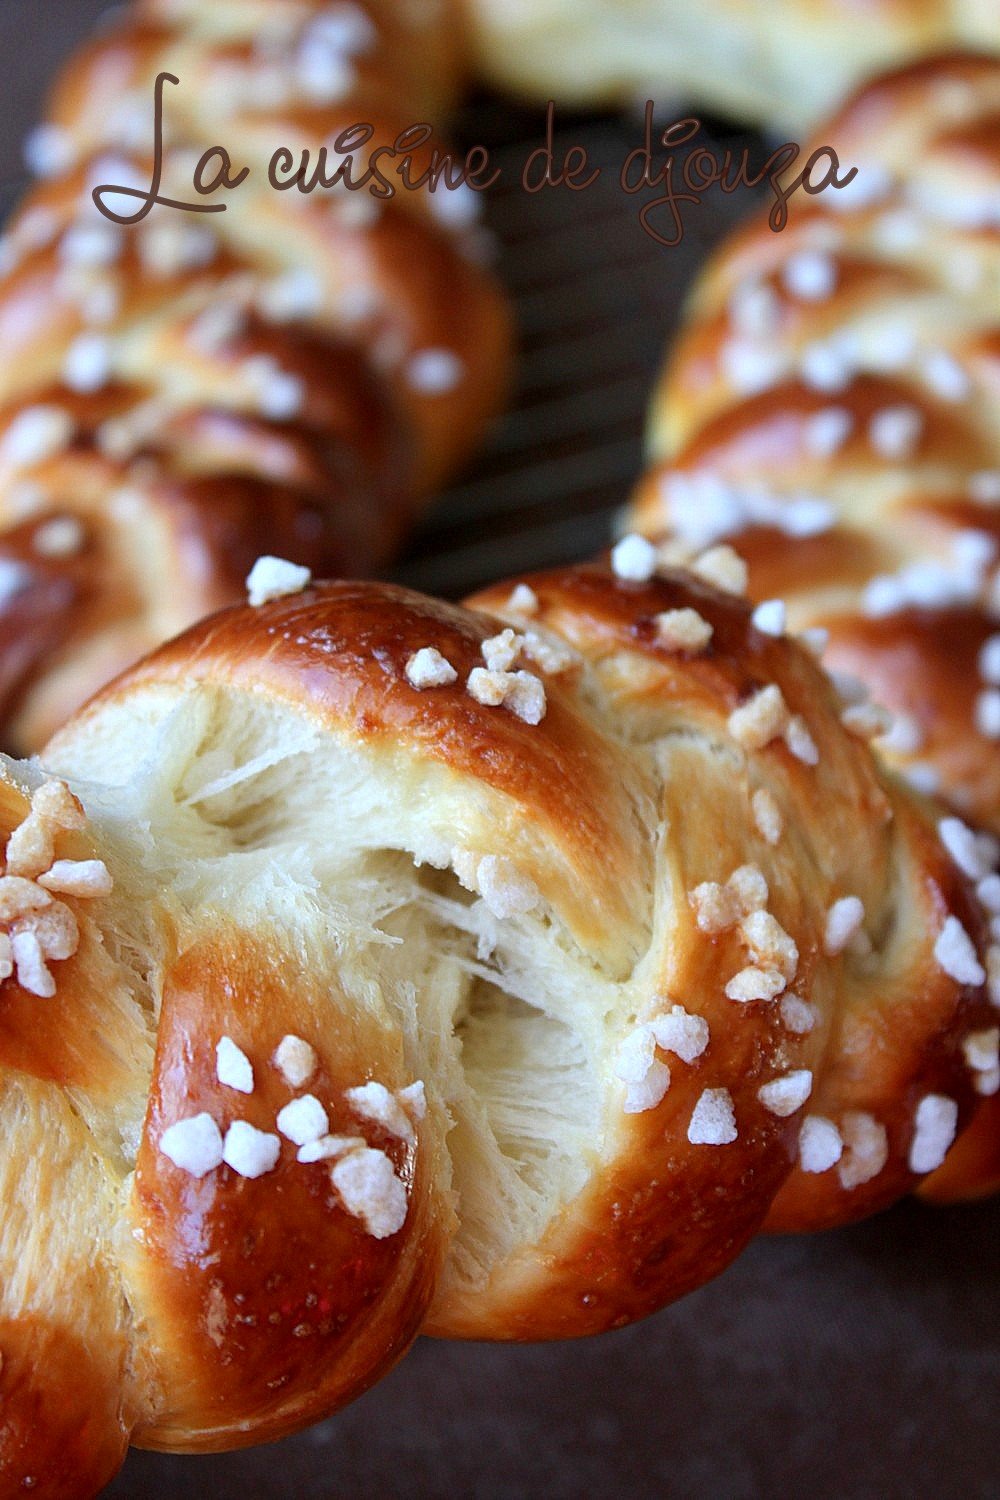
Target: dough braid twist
x: 494, y: 969
x: 833, y: 406
x: 292, y: 375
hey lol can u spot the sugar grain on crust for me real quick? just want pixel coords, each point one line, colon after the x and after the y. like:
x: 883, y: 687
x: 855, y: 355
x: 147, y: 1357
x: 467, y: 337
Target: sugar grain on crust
x: 500, y: 652
x: 718, y: 907
x: 866, y: 1148
x: 370, y: 1191
x: 295, y: 1060
x: 895, y: 431
x: 330, y: 1147
x: 934, y: 1126
x: 724, y: 568
x: 33, y: 974
x: 232, y: 1066
x: 373, y: 1101
x: 634, y: 559
x: 767, y: 816
x: 679, y: 1032
x: 981, y: 1050
x: 77, y: 877
x: 427, y: 668
x: 635, y: 1055
x: 31, y: 846
x: 784, y: 1095
x: 771, y: 617
x: 797, y: 1014
x: 646, y: 1092
x: 843, y: 922
x: 771, y: 947
x: 986, y: 713
x: 970, y: 851
x: 956, y: 954
x: 413, y: 1098
x: 60, y: 538
x: 434, y: 372
x: 35, y: 434
x: 523, y: 600
x: 193, y: 1144
x: 763, y: 718
x: 713, y: 1120
x: 249, y: 1151
x: 521, y: 692
x: 820, y: 1144
x: 275, y: 578
x: 753, y: 983
x: 682, y: 630
x: 303, y: 1119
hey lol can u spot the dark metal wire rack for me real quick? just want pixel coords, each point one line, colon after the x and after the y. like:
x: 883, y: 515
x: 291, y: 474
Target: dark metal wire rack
x: 596, y: 300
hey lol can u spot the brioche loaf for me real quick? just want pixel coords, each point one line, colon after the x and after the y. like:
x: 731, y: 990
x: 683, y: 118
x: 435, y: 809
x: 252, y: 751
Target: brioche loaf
x: 377, y: 963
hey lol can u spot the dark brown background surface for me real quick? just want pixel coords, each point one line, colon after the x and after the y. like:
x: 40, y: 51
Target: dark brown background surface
x: 864, y: 1363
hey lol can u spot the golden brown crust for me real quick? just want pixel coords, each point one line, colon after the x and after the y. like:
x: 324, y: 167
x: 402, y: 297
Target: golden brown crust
x: 972, y: 1168
x: 638, y: 735
x: 64, y: 1409
x: 208, y: 495
x: 852, y: 359
x: 268, y: 1305
x: 154, y: 1306
x: 291, y: 376
x: 60, y: 1430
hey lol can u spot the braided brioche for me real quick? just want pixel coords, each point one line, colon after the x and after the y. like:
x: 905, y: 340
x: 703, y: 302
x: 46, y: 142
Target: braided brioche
x: 834, y: 402
x: 180, y: 394
x: 781, y: 64
x: 495, y: 969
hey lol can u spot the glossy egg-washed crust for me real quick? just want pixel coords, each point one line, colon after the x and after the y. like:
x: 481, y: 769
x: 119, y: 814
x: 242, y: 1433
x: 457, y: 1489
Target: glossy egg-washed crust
x: 181, y: 1312
x: 917, y: 264
x: 220, y: 1311
x: 183, y: 465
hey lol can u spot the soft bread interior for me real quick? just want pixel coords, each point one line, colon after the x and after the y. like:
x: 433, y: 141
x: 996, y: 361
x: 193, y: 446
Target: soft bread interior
x: 236, y: 803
